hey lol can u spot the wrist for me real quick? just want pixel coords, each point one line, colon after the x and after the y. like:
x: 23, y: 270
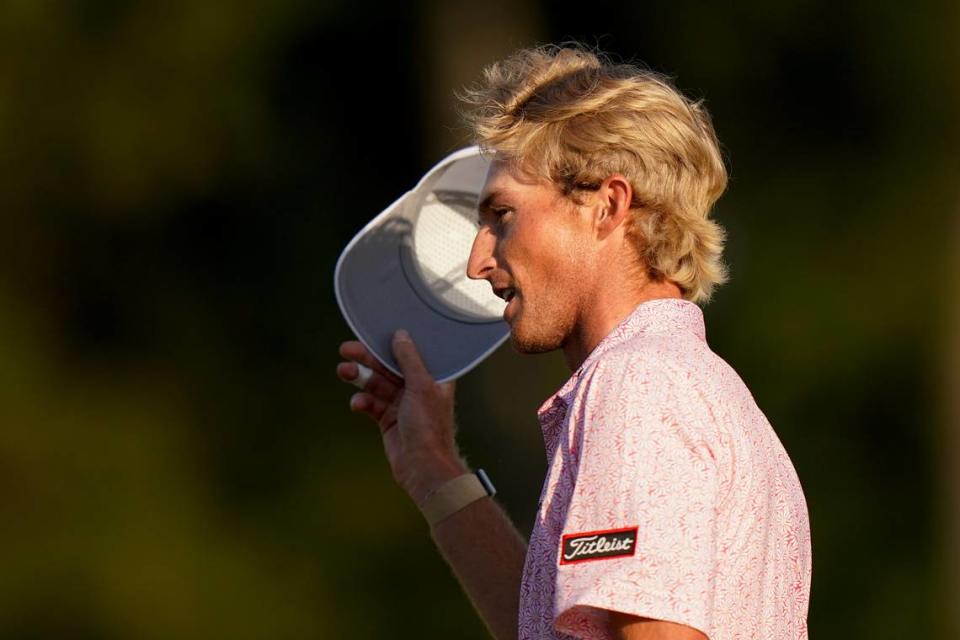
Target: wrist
x: 455, y: 495
x: 431, y: 474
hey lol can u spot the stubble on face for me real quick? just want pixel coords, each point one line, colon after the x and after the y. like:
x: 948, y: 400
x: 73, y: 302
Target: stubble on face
x: 554, y: 297
x: 542, y: 337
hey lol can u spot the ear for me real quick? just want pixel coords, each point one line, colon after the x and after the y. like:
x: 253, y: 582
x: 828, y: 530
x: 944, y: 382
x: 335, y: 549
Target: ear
x: 613, y: 200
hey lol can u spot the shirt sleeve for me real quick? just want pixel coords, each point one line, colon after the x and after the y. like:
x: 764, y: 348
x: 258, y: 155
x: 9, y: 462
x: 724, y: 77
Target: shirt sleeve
x: 640, y: 530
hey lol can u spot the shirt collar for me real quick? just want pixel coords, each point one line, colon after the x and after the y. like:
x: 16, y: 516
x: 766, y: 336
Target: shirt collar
x: 663, y: 315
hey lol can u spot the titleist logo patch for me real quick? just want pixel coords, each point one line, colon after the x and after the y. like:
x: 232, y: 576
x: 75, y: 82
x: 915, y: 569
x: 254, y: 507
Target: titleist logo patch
x: 598, y: 545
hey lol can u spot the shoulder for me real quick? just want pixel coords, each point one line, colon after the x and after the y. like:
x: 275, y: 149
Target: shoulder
x: 636, y: 383
x: 655, y: 365
x: 663, y: 384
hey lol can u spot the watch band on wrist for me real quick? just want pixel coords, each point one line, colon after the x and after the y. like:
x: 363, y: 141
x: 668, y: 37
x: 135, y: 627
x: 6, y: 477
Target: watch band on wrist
x: 455, y: 495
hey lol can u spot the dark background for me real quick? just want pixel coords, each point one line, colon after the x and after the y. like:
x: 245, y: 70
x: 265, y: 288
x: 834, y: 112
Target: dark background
x: 177, y: 178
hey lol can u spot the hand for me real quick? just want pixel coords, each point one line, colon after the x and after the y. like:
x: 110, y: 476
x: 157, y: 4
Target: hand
x: 415, y: 416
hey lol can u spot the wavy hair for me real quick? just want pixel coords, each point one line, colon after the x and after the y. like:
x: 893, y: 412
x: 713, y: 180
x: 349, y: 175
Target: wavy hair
x: 569, y: 115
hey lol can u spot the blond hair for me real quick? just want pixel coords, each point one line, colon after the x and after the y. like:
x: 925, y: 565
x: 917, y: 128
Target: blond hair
x: 568, y: 115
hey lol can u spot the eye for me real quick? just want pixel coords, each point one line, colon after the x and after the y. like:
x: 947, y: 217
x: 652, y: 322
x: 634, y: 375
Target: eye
x: 495, y: 216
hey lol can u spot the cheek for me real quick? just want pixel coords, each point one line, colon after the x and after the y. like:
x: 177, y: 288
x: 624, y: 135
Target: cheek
x: 548, y: 254
x: 563, y: 249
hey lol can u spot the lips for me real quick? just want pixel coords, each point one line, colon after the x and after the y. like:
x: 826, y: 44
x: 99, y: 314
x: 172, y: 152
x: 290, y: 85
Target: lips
x: 509, y: 294
x: 513, y: 302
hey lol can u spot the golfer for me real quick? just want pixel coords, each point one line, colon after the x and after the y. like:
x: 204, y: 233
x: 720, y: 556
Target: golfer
x: 670, y: 508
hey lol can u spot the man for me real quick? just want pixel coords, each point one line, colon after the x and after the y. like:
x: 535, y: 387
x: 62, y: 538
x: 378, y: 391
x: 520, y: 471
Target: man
x: 670, y: 509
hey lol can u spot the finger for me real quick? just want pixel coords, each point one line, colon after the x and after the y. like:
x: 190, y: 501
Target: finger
x: 388, y: 419
x: 382, y: 388
x: 356, y: 351
x: 363, y: 376
x: 348, y: 371
x: 375, y: 384
x: 384, y: 414
x: 365, y: 403
x: 415, y: 373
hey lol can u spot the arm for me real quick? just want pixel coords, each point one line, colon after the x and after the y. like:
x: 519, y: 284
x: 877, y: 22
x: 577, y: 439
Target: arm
x: 486, y: 554
x: 627, y: 627
x: 415, y: 416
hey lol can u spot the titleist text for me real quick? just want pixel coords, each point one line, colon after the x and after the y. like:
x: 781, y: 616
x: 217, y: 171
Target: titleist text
x: 594, y: 545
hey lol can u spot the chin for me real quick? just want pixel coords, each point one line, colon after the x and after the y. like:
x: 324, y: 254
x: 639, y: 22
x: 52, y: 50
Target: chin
x: 532, y: 340
x: 530, y: 347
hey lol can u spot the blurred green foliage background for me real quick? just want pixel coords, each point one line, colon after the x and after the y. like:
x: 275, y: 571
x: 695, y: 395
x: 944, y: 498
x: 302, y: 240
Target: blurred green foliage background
x: 177, y: 178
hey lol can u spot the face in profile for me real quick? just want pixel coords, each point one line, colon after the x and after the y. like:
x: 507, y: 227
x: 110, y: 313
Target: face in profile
x: 534, y: 247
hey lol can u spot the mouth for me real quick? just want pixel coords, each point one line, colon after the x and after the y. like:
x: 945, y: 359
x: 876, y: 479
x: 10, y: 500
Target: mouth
x: 508, y: 294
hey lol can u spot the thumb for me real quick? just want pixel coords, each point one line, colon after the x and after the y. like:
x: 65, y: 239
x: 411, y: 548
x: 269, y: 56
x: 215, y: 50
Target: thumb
x: 411, y: 364
x: 449, y: 389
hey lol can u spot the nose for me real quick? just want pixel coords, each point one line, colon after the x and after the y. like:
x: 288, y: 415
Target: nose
x: 481, y: 260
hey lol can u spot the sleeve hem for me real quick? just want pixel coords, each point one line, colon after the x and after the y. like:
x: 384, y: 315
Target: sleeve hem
x: 593, y: 609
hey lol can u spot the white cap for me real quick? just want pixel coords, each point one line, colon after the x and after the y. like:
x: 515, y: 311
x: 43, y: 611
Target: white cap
x: 407, y: 269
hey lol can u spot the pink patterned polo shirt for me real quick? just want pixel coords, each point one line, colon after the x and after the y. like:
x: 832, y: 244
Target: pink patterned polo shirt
x: 668, y: 495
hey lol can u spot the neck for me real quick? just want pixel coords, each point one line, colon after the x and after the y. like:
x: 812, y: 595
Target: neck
x: 602, y: 315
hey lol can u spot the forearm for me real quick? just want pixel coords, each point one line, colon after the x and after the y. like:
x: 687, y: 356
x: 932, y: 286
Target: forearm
x: 415, y: 416
x: 486, y: 553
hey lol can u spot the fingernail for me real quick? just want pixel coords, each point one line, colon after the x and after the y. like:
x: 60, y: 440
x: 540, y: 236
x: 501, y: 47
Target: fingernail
x: 402, y: 334
x: 354, y: 400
